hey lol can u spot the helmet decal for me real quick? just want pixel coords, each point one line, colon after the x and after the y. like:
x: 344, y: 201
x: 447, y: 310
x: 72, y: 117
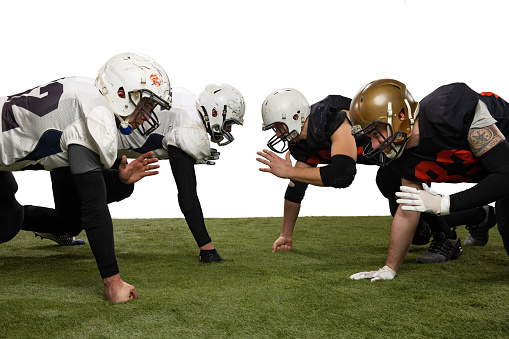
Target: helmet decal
x: 155, y: 79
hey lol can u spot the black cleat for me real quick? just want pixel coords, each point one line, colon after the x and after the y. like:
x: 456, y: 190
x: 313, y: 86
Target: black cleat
x: 479, y: 234
x: 441, y: 250
x: 63, y: 240
x: 208, y: 256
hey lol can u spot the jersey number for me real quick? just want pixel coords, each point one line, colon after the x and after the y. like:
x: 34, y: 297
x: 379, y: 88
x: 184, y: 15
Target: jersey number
x: 38, y: 105
x: 458, y: 162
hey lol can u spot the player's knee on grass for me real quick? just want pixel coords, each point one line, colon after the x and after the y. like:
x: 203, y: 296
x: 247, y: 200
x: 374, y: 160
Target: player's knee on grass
x: 10, y: 223
x: 11, y: 212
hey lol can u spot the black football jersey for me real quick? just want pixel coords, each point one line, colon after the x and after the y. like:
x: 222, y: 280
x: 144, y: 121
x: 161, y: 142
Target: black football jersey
x: 324, y: 119
x: 443, y: 153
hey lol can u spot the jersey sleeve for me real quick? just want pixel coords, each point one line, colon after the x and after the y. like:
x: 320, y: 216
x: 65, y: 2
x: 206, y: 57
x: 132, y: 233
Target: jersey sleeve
x: 187, y: 130
x: 97, y: 132
x: 193, y: 141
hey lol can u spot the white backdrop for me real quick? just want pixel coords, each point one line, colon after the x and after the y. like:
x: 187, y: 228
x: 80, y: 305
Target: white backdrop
x: 319, y: 47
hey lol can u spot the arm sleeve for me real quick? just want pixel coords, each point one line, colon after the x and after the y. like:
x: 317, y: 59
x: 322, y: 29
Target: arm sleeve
x: 296, y: 193
x: 493, y: 187
x: 95, y: 216
x: 182, y: 167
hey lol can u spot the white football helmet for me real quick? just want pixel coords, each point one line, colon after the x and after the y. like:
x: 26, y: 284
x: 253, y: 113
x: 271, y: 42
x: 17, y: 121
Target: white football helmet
x: 125, y: 80
x: 220, y: 106
x: 284, y: 111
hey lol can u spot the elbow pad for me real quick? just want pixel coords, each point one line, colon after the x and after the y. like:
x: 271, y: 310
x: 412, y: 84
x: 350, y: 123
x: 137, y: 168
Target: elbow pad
x: 296, y: 193
x: 340, y: 173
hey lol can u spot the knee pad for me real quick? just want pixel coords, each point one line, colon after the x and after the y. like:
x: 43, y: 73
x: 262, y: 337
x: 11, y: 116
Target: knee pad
x: 8, y: 184
x: 387, y: 182
x: 296, y: 193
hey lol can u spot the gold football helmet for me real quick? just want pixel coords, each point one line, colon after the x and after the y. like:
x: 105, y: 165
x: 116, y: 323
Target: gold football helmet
x: 384, y: 102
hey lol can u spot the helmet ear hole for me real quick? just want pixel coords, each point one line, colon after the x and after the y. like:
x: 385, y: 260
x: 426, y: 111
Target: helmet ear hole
x: 296, y: 116
x: 402, y: 115
x: 121, y: 93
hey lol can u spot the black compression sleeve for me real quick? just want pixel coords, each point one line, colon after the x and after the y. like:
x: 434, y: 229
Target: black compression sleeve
x: 495, y: 186
x: 116, y: 189
x: 182, y: 167
x: 96, y: 220
x: 296, y: 193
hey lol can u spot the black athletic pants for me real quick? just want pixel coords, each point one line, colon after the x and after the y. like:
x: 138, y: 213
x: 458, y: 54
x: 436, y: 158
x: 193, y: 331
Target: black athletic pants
x: 66, y: 217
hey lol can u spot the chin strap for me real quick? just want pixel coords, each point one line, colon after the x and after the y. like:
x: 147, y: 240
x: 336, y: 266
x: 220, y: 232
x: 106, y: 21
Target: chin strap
x: 412, y: 117
x: 125, y: 130
x: 124, y: 127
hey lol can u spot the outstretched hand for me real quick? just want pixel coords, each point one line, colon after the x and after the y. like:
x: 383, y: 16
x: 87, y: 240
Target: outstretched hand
x: 276, y: 165
x: 139, y: 168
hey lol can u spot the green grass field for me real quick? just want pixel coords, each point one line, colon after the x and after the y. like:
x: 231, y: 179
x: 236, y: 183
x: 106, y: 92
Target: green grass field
x: 48, y: 291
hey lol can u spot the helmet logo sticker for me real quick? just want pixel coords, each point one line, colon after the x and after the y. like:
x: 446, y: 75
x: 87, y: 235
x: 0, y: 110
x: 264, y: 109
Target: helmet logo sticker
x: 155, y: 80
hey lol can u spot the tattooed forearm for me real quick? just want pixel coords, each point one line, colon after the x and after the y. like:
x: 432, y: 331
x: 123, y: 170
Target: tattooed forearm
x: 482, y: 140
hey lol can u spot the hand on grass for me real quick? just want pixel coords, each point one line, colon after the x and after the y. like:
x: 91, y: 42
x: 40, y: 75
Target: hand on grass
x: 282, y: 244
x: 118, y: 291
x: 385, y: 273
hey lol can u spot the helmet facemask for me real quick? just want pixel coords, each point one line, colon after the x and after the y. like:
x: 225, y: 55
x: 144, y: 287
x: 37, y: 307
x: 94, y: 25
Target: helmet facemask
x: 387, y: 150
x: 218, y: 132
x: 281, y: 135
x: 151, y: 121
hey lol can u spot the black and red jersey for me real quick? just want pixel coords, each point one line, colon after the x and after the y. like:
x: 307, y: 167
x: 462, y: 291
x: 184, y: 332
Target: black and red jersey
x: 443, y: 153
x: 324, y: 119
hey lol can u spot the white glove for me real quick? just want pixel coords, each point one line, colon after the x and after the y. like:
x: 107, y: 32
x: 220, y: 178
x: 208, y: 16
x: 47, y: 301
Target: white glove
x: 385, y: 273
x: 426, y: 200
x: 214, y: 155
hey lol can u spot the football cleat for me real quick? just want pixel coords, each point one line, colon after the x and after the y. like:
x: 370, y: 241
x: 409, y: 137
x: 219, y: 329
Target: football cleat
x: 479, y: 234
x: 208, y: 256
x: 63, y: 240
x: 441, y: 250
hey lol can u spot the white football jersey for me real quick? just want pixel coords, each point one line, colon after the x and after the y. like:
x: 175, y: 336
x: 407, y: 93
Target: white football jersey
x: 39, y: 124
x: 181, y: 127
